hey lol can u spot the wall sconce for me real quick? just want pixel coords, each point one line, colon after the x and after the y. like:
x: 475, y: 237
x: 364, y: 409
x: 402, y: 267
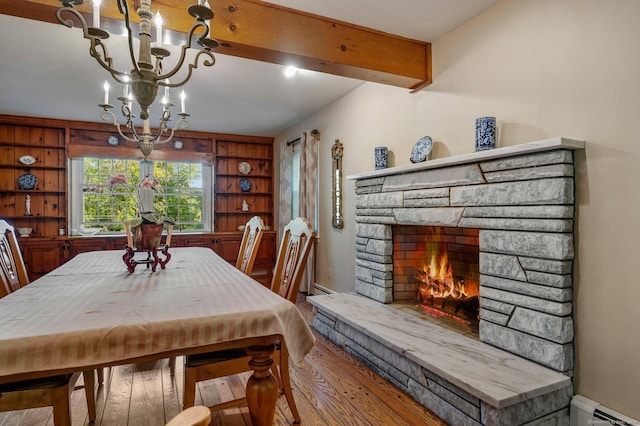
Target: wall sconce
x: 177, y: 145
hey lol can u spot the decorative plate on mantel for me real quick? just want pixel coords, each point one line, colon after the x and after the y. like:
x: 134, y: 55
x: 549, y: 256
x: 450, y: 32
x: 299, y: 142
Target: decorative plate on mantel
x: 421, y: 149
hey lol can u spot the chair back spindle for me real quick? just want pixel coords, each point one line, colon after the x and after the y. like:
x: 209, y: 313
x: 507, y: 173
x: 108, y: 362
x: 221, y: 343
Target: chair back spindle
x: 13, y: 271
x: 253, y: 231
x: 297, y: 242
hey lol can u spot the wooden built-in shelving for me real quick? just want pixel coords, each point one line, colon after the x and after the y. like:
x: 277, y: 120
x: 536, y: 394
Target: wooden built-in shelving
x: 53, y: 142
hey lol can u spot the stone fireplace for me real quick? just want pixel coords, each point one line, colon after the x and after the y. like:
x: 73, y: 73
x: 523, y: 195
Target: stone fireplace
x: 519, y: 203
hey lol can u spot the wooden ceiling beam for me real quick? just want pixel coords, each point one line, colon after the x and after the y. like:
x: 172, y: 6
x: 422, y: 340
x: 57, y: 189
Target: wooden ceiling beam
x: 257, y: 30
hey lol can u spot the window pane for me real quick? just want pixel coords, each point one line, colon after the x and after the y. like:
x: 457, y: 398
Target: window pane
x: 180, y: 195
x: 103, y: 205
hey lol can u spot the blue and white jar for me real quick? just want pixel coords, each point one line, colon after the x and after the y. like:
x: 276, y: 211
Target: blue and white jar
x: 485, y: 133
x: 381, y: 157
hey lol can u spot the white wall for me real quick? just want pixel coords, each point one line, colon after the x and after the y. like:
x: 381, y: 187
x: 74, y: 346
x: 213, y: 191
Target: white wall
x: 544, y: 68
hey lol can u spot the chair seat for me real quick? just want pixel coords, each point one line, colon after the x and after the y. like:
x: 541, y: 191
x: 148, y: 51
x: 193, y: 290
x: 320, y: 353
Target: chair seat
x: 32, y: 384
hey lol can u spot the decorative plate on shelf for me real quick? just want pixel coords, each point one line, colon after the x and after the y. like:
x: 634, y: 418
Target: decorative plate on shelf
x: 27, y: 181
x: 27, y: 160
x: 245, y: 185
x: 421, y: 149
x: 244, y: 168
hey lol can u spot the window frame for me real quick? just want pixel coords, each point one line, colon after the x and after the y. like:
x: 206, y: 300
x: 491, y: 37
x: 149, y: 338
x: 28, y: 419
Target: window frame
x: 76, y: 180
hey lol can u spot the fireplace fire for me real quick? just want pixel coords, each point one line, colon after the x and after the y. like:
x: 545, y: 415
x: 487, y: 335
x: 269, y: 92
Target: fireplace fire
x: 439, y: 289
x: 436, y: 269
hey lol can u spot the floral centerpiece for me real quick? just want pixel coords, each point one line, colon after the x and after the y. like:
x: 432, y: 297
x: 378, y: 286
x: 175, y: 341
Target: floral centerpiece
x: 146, y: 213
x: 147, y: 227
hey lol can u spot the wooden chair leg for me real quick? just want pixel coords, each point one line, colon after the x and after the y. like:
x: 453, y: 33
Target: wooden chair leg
x: 286, y: 381
x: 172, y: 366
x: 276, y: 374
x: 189, y: 392
x: 89, y: 377
x: 100, y: 372
x: 62, y: 406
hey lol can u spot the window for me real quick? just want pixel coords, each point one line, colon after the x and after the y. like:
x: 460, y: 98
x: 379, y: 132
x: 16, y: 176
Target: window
x: 184, y: 193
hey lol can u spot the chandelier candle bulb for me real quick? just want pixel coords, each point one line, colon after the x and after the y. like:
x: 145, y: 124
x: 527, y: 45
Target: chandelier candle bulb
x: 106, y: 92
x: 96, y: 14
x: 159, y: 28
x: 183, y: 96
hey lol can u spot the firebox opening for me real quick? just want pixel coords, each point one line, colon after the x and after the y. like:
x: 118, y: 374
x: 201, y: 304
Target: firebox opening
x: 436, y: 271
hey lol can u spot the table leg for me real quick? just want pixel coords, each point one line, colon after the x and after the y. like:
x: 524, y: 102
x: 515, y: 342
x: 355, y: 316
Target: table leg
x: 262, y: 389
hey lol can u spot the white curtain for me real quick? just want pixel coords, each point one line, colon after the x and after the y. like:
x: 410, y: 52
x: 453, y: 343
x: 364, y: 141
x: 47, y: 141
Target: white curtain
x: 286, y: 176
x: 308, y: 196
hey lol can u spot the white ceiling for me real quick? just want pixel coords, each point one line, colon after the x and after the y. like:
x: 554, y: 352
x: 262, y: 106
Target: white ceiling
x: 46, y: 69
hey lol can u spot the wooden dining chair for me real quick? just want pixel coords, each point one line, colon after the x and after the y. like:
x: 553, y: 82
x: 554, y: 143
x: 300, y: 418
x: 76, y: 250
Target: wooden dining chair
x: 46, y: 391
x: 192, y: 416
x: 14, y: 271
x: 297, y: 242
x: 253, y: 231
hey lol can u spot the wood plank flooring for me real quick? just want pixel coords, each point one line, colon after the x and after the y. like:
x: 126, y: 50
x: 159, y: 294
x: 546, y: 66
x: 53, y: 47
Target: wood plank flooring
x: 331, y: 388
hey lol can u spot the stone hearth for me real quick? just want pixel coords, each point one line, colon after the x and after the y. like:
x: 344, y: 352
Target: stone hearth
x: 522, y: 200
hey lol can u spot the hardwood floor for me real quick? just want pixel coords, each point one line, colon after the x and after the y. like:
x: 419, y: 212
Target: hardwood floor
x: 331, y: 388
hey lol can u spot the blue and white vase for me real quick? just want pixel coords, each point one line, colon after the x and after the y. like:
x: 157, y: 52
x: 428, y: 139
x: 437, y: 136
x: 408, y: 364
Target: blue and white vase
x: 381, y: 157
x: 485, y: 133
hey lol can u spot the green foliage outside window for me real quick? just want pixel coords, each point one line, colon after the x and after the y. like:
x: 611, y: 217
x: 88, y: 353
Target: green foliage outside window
x: 180, y: 194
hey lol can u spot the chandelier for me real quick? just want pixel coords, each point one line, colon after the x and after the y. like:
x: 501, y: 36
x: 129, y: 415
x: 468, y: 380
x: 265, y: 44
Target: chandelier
x: 145, y: 78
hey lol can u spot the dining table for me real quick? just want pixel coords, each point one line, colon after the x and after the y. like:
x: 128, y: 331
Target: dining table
x: 91, y: 312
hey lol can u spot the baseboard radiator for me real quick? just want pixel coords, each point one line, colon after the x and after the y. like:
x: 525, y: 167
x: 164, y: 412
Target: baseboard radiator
x: 585, y: 412
x: 318, y: 289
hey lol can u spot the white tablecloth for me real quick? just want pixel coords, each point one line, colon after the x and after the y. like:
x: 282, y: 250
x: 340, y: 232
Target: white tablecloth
x: 91, y: 311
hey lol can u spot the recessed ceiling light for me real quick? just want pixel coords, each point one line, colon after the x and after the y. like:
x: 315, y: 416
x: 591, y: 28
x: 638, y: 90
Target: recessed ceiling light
x: 290, y: 71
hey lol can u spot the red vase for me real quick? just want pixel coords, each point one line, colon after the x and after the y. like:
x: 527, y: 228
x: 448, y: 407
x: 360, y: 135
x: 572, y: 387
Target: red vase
x: 147, y: 236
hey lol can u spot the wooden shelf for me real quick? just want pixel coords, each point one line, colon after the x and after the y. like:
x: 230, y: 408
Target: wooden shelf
x: 48, y: 200
x: 31, y: 191
x: 228, y: 196
x: 31, y: 167
x: 34, y: 217
x: 31, y: 146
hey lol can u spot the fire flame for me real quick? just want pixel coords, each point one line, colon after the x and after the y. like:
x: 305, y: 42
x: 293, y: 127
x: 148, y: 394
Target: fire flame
x: 438, y: 281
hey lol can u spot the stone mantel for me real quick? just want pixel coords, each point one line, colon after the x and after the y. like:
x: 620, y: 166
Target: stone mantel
x: 474, y: 157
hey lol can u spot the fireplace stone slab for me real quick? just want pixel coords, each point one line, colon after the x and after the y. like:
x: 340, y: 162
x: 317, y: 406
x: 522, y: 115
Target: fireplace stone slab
x: 462, y: 380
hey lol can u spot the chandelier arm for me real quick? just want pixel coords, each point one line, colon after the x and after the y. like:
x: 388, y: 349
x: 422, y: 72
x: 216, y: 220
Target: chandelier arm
x: 180, y: 125
x: 69, y: 23
x: 123, y: 8
x: 107, y: 115
x: 192, y: 66
x: 183, y: 55
x: 104, y: 59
